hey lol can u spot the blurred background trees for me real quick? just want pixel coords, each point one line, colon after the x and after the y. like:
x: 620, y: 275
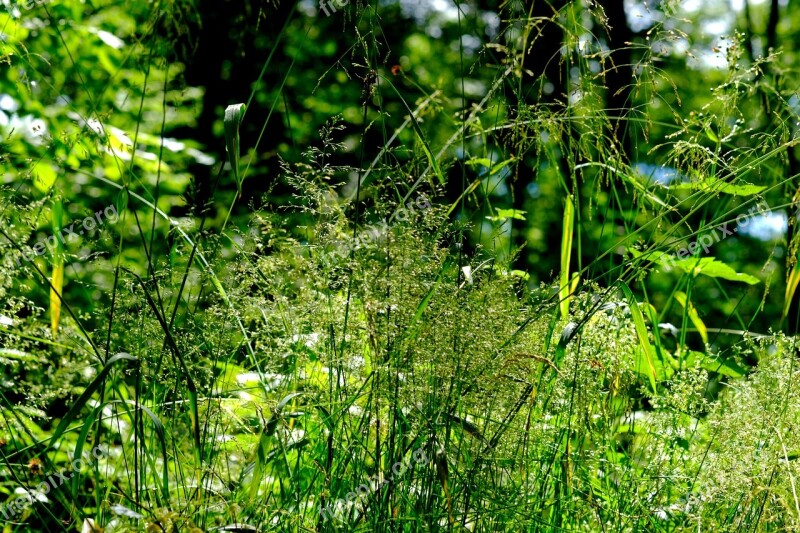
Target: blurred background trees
x: 542, y: 90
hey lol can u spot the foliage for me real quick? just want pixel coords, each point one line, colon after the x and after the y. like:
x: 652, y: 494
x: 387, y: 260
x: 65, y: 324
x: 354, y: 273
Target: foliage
x: 500, y: 268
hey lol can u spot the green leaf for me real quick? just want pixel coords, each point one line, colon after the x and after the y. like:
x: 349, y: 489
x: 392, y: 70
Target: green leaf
x: 521, y: 274
x: 487, y: 163
x: 663, y: 360
x: 429, y: 154
x: 712, y: 268
x: 479, y: 162
x: 262, y: 451
x: 44, y: 176
x: 691, y: 312
x: 567, y: 334
x: 718, y: 185
x: 711, y: 135
x: 696, y: 266
x: 500, y: 166
x: 718, y: 365
x: 505, y: 214
x: 647, y: 351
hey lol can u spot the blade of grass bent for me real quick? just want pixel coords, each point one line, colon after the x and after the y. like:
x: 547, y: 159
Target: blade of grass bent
x: 232, y: 121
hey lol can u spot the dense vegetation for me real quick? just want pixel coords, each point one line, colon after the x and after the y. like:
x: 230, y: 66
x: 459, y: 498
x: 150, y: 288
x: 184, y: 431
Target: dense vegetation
x: 399, y: 266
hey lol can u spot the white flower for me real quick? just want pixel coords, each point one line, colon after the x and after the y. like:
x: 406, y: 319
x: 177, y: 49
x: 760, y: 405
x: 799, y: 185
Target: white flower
x: 8, y: 104
x: 36, y: 130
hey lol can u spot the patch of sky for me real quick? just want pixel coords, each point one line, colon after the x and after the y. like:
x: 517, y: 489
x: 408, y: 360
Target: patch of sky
x: 640, y: 15
x: 658, y: 174
x: 769, y: 226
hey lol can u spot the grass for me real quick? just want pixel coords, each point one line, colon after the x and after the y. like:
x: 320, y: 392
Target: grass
x: 282, y: 373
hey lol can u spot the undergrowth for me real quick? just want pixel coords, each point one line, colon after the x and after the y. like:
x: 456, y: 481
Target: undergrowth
x: 361, y: 349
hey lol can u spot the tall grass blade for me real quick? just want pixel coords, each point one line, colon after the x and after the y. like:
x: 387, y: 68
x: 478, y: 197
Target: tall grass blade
x: 57, y: 279
x: 641, y: 334
x: 791, y: 288
x: 691, y: 312
x: 566, y: 252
